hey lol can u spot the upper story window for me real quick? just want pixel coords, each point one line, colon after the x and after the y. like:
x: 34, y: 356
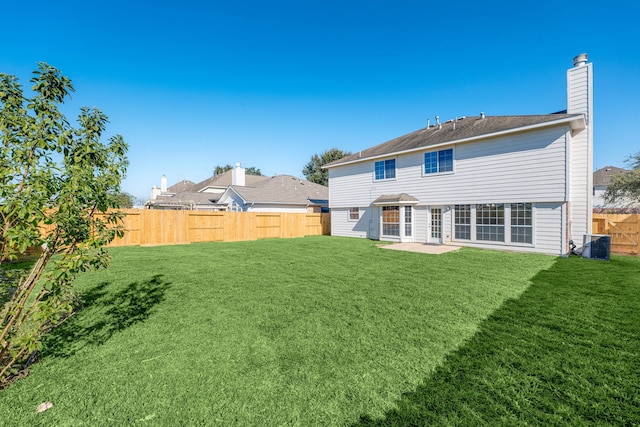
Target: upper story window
x: 385, y: 169
x: 438, y: 161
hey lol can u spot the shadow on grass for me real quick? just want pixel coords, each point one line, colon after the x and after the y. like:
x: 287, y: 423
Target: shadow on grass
x: 103, y: 314
x: 564, y: 353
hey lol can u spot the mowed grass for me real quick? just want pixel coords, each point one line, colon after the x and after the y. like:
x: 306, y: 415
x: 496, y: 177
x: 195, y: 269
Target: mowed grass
x: 333, y: 331
x: 567, y: 352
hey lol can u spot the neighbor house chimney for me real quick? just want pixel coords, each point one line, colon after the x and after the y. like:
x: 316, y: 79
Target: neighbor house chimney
x: 155, y: 192
x: 163, y: 184
x: 237, y: 176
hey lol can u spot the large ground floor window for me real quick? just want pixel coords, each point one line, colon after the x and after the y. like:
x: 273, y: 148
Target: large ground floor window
x: 462, y: 222
x: 490, y: 222
x: 521, y: 223
x: 494, y: 222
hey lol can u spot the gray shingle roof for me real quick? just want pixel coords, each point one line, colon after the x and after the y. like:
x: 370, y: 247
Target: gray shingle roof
x: 395, y: 198
x: 224, y: 179
x: 185, y: 198
x: 184, y: 185
x: 457, y: 130
x: 282, y: 189
x: 603, y: 176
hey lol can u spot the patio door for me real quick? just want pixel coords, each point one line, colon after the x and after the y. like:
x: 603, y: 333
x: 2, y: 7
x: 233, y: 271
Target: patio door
x: 434, y: 233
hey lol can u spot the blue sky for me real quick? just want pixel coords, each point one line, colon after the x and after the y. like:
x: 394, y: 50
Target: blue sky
x: 195, y: 84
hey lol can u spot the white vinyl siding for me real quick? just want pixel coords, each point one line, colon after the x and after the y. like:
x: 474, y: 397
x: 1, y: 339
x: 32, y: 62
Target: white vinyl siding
x: 547, y: 217
x: 529, y: 166
x: 366, y: 227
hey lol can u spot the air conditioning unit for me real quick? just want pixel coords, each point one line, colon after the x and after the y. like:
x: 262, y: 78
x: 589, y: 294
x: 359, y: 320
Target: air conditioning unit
x: 596, y: 246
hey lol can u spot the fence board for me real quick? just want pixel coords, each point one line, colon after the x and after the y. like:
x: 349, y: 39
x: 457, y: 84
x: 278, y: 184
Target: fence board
x: 624, y: 230
x: 165, y: 227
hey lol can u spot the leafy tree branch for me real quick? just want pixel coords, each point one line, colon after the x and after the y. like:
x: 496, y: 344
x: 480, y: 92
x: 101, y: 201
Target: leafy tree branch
x: 59, y: 186
x: 625, y: 186
x: 313, y: 170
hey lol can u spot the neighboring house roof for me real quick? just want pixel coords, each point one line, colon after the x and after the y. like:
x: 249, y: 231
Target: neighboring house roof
x: 282, y: 189
x: 279, y: 189
x: 179, y: 187
x: 186, y: 199
x: 223, y: 180
x: 461, y: 130
x: 602, y: 176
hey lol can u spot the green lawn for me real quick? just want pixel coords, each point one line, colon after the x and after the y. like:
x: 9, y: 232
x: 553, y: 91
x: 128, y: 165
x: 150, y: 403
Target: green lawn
x: 335, y: 331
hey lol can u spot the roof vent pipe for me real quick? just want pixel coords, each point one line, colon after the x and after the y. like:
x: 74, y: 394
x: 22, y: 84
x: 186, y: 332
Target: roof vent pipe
x: 482, y: 115
x: 437, y: 120
x: 580, y: 60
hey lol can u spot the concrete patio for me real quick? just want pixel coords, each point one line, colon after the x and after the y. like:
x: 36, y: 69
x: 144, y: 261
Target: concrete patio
x: 424, y: 248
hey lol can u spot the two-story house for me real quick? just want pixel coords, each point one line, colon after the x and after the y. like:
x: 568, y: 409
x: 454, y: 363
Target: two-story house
x: 505, y: 182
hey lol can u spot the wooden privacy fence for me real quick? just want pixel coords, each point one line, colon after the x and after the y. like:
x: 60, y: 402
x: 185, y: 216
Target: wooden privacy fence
x: 624, y: 230
x: 166, y: 227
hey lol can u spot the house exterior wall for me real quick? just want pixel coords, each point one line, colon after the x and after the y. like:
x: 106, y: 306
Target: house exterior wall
x: 549, y: 167
x: 600, y: 202
x: 546, y: 238
x: 523, y: 167
x: 366, y: 226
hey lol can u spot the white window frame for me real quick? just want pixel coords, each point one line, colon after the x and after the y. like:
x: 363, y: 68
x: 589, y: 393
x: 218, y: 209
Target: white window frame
x: 385, y: 178
x: 399, y: 223
x: 407, y: 214
x: 353, y: 212
x: 469, y: 225
x: 528, y: 208
x: 453, y: 162
x: 507, y: 226
x: 492, y: 221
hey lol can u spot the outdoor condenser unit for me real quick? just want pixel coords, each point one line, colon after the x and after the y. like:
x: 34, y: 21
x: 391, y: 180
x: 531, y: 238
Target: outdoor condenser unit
x: 596, y: 246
